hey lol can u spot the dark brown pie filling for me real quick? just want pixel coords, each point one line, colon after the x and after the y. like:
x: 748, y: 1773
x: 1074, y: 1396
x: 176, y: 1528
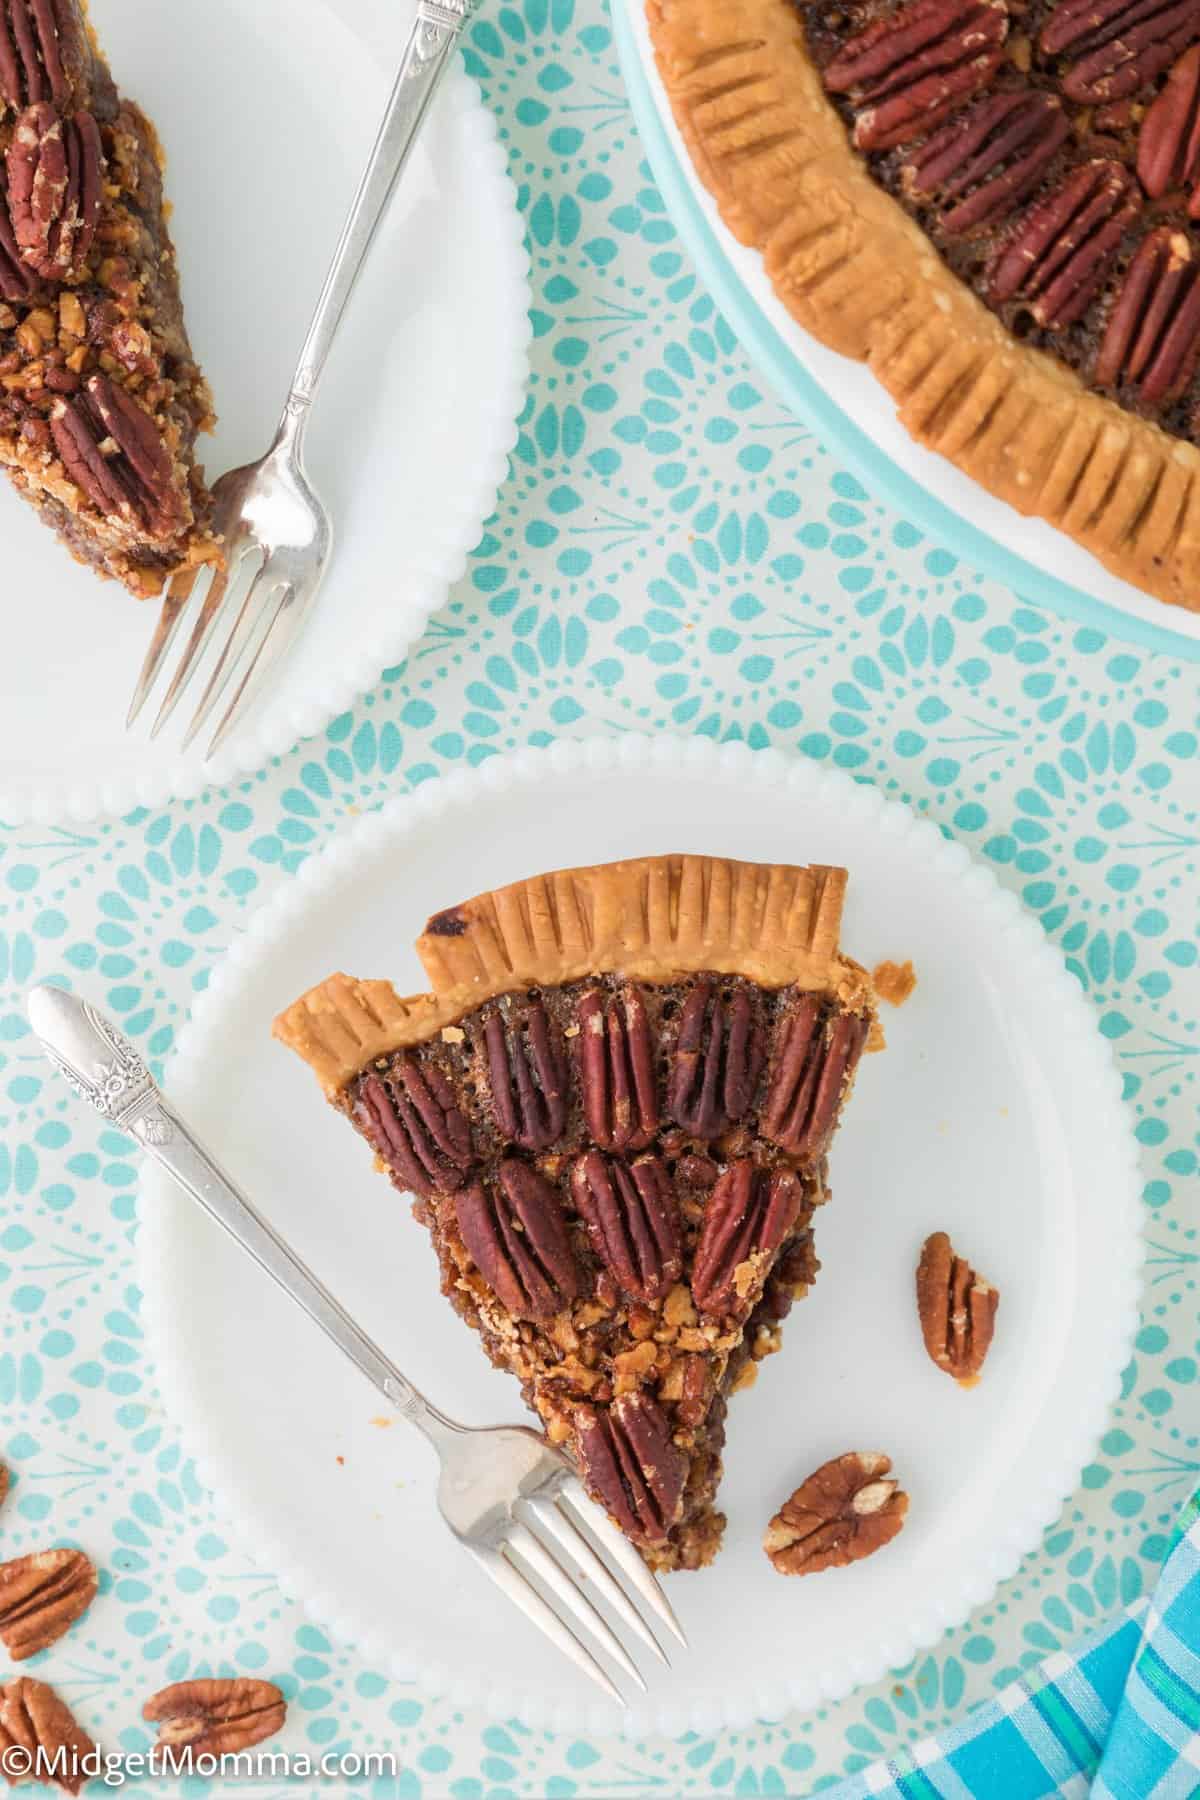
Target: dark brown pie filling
x: 1051, y: 153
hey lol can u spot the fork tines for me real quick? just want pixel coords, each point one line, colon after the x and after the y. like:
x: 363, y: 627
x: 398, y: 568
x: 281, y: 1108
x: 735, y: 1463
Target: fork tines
x: 550, y: 1559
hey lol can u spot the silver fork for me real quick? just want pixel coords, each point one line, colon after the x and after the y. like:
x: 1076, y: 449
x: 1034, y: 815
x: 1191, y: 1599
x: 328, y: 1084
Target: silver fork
x: 510, y: 1499
x: 277, y: 534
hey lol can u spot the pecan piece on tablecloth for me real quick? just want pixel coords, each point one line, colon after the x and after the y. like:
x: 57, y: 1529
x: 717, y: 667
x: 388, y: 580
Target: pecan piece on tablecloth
x: 517, y: 1237
x: 982, y: 164
x: 411, y: 1115
x: 41, y: 1596
x: 814, y: 1060
x: 632, y: 1220
x: 215, y: 1717
x: 55, y: 174
x: 847, y: 1509
x: 957, y: 1309
x: 1153, y: 336
x: 1114, y: 48
x: 527, y: 1076
x: 616, y: 1069
x: 631, y: 1464
x: 35, y: 1720
x: 717, y: 1060
x: 114, y: 453
x: 1060, y: 253
x: 1169, y: 140
x: 909, y: 70
x: 4, y: 1484
x: 749, y: 1213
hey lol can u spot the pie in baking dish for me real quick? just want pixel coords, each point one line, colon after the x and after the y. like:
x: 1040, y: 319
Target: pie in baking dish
x: 100, y: 396
x: 994, y: 204
x: 613, y: 1108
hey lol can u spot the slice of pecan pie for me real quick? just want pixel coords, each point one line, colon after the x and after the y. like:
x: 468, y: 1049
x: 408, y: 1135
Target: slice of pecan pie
x: 995, y: 204
x: 100, y: 398
x: 614, y: 1108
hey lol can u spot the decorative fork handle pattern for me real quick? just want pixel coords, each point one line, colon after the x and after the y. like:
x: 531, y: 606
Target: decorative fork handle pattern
x: 104, y: 1069
x: 426, y: 54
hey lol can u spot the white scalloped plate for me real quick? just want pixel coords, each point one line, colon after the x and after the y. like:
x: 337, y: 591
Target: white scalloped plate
x: 410, y: 433
x: 995, y: 1114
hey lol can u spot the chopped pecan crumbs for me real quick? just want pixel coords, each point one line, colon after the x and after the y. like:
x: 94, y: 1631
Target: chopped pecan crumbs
x: 957, y: 1310
x: 894, y: 982
x: 215, y: 1718
x: 33, y: 1718
x: 847, y: 1509
x: 41, y: 1596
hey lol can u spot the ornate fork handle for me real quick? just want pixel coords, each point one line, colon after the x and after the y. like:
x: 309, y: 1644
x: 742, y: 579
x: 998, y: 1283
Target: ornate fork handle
x: 430, y: 44
x: 105, y: 1070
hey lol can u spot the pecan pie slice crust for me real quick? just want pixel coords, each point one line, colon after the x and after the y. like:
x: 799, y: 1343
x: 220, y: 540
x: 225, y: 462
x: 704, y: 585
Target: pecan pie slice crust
x: 100, y: 397
x: 613, y: 1108
x: 994, y: 204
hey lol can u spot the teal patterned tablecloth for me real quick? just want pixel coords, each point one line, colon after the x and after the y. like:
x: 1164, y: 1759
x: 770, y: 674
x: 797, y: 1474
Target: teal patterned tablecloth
x: 671, y: 551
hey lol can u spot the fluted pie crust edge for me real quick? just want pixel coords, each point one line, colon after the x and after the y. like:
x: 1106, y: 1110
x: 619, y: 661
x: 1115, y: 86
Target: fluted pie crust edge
x: 652, y: 918
x: 857, y: 272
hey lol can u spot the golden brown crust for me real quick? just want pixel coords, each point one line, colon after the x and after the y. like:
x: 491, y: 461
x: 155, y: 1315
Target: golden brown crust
x: 652, y: 918
x: 858, y: 274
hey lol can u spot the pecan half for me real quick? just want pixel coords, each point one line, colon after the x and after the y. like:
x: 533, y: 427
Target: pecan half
x: 1060, y: 253
x: 55, y: 172
x: 4, y: 1484
x: 616, y: 1070
x: 41, y: 1596
x: 716, y: 1062
x: 17, y: 280
x: 517, y: 1237
x: 527, y: 1074
x: 38, y: 39
x: 33, y: 1719
x: 815, y: 1058
x: 986, y: 161
x: 957, y: 1310
x: 1153, y: 334
x: 632, y: 1220
x: 631, y: 1465
x: 749, y: 1213
x: 114, y: 454
x: 215, y: 1718
x: 1114, y: 48
x: 1169, y: 141
x: 908, y: 71
x: 411, y: 1115
x: 846, y: 1510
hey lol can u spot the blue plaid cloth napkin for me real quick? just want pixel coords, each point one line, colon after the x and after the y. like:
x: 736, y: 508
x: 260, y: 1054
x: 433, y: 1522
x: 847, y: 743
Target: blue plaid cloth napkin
x: 1117, y: 1718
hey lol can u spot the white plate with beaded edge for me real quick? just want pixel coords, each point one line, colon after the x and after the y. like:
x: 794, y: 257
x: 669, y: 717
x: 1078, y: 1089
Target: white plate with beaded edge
x: 995, y: 1114
x: 412, y: 427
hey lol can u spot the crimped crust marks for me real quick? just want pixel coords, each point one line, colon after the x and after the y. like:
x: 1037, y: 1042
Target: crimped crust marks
x: 652, y: 918
x: 858, y: 274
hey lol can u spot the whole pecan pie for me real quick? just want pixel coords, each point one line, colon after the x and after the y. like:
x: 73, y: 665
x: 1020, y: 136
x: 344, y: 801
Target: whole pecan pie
x: 994, y: 204
x: 613, y: 1109
x: 100, y: 398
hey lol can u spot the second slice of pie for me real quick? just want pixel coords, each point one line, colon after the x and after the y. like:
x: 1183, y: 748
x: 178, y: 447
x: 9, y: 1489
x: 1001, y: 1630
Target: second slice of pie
x: 613, y: 1109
